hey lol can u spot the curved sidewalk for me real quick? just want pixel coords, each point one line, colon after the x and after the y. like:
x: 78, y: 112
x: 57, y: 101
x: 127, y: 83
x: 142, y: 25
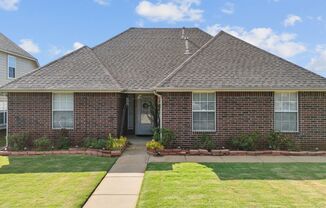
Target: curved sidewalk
x: 121, y: 186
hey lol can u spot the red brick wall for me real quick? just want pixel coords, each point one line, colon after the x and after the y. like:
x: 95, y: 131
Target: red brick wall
x: 95, y: 114
x: 243, y: 112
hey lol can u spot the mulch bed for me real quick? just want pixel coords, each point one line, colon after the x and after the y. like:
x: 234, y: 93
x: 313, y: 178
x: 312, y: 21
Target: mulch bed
x: 224, y: 152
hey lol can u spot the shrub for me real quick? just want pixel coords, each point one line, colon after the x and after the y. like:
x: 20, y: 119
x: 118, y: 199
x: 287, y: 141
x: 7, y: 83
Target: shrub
x: 96, y: 143
x: 246, y: 142
x: 18, y: 141
x: 116, y: 143
x: 206, y: 142
x: 168, y: 136
x: 154, y: 145
x: 42, y: 143
x: 62, y: 142
x: 279, y: 141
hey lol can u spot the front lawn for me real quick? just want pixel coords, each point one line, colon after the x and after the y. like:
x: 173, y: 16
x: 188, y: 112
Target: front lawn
x: 234, y: 185
x: 50, y: 181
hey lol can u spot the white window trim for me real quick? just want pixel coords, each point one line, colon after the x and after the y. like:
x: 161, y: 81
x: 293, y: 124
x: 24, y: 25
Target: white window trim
x: 9, y: 56
x: 192, y: 112
x: 297, y: 131
x: 73, y: 111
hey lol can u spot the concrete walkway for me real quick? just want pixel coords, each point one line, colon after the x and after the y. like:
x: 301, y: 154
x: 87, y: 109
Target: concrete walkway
x: 121, y: 186
x: 241, y: 159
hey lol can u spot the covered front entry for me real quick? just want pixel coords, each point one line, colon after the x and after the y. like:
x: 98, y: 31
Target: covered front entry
x: 141, y: 113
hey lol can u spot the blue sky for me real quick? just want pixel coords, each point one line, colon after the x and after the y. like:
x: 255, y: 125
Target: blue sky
x: 292, y: 29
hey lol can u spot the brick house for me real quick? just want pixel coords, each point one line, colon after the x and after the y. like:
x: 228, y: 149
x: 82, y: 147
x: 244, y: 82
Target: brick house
x: 181, y: 79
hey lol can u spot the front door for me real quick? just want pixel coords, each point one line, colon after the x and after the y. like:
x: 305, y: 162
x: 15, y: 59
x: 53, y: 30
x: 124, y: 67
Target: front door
x: 144, y: 114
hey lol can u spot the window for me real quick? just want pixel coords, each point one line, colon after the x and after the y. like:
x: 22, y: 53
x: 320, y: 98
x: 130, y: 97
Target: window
x: 203, y: 111
x: 62, y: 111
x: 286, y: 112
x: 11, y: 67
x: 3, y: 114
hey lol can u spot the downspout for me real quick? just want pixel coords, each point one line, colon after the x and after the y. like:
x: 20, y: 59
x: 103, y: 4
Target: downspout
x: 161, y: 111
x: 7, y: 142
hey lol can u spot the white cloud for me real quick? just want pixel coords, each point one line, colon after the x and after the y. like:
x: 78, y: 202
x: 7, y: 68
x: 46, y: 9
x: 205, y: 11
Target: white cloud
x: 172, y: 11
x: 318, y: 63
x: 55, y: 51
x: 9, y: 5
x: 29, y: 46
x: 102, y: 2
x: 283, y: 44
x: 291, y: 20
x: 228, y: 8
x: 76, y: 45
x: 140, y: 23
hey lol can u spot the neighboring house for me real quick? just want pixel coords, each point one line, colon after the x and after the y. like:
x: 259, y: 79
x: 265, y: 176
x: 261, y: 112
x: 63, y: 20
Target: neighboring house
x: 14, y: 62
x: 221, y: 86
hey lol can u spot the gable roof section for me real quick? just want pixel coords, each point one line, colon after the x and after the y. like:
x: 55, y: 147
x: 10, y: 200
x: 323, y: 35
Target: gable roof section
x: 228, y: 63
x: 80, y: 70
x: 140, y: 58
x: 9, y: 46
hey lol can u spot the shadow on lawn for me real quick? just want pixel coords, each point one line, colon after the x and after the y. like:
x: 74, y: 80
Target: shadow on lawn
x: 58, y: 163
x: 248, y: 171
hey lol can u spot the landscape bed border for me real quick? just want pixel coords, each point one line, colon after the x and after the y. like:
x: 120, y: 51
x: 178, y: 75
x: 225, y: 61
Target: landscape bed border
x: 227, y: 152
x: 70, y: 151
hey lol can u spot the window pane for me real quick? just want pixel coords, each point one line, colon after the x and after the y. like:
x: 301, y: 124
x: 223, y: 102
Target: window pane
x: 278, y: 106
x: 196, y: 106
x: 285, y: 106
x: 211, y: 125
x: 293, y: 97
x: 285, y: 97
x: 196, y: 116
x: 2, y: 118
x: 203, y: 106
x: 63, y: 102
x: 196, y: 125
x: 211, y: 97
x: 278, y: 125
x: 203, y: 97
x: 12, y: 72
x: 211, y: 116
x: 211, y: 105
x: 196, y: 97
x: 293, y: 106
x: 277, y: 96
x: 63, y: 119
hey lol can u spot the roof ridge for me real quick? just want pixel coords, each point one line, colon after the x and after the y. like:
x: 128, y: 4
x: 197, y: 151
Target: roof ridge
x: 8, y: 39
x: 169, y: 76
x: 104, y: 68
x: 274, y: 55
x: 114, y: 37
x: 39, y: 68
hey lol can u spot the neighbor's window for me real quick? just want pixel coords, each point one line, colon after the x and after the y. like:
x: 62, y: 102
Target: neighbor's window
x: 62, y: 111
x: 286, y: 111
x: 203, y: 111
x: 11, y: 67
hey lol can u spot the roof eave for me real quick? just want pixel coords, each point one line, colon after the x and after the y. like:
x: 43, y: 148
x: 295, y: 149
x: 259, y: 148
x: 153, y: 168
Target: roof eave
x: 240, y: 89
x: 63, y: 90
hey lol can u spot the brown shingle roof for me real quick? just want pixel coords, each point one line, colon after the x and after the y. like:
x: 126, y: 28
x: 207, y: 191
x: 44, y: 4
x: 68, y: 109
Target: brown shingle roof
x: 227, y: 62
x: 80, y: 70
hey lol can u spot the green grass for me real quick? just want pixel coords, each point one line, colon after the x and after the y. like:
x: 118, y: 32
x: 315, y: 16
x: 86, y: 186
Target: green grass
x: 234, y: 185
x: 50, y: 181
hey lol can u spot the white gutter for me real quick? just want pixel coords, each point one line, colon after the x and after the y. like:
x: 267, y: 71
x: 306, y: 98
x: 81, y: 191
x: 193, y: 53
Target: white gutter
x: 161, y: 111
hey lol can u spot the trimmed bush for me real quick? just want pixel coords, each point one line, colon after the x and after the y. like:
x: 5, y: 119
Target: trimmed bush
x: 154, y: 145
x: 18, y: 141
x: 247, y: 142
x: 62, y: 142
x: 168, y: 136
x: 279, y: 141
x: 42, y: 143
x: 205, y: 142
x: 95, y: 143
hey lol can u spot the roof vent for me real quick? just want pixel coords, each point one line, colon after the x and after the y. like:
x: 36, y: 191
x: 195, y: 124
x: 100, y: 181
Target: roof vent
x: 183, y: 33
x: 187, y: 52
